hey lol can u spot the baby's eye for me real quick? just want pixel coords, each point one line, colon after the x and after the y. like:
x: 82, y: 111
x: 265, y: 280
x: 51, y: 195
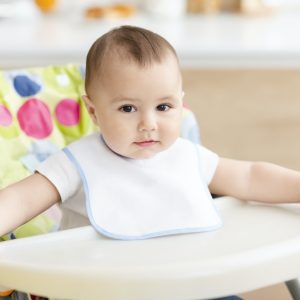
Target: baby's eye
x: 163, y: 107
x: 127, y: 108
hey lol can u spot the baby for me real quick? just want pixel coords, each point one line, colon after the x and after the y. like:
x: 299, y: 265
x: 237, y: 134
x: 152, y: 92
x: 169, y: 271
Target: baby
x: 138, y: 179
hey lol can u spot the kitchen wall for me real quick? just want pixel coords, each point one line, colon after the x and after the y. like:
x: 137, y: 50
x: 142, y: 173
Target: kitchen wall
x: 248, y: 114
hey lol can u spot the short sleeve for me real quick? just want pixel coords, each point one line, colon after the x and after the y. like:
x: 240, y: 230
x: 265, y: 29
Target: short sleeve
x: 62, y: 173
x: 208, y: 163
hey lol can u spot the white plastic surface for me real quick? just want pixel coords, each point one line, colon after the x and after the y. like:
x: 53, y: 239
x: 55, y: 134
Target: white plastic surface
x: 259, y: 245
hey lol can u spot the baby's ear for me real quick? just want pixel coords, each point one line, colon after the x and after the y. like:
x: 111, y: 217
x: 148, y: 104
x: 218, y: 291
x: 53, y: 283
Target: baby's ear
x: 90, y: 107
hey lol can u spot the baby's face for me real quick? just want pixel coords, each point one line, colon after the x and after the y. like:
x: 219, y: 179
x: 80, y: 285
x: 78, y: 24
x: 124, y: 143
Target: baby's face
x: 139, y: 109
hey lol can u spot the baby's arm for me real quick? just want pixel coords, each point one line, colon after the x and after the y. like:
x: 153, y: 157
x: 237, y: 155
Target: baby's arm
x: 24, y: 200
x: 257, y: 181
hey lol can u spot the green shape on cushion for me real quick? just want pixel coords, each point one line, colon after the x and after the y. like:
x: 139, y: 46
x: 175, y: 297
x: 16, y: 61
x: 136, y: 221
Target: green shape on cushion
x: 11, y: 169
x: 39, y: 225
x: 15, y: 171
x: 9, y: 132
x: 4, y: 84
x: 64, y: 80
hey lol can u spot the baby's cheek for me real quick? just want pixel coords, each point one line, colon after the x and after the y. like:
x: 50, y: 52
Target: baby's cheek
x: 119, y: 143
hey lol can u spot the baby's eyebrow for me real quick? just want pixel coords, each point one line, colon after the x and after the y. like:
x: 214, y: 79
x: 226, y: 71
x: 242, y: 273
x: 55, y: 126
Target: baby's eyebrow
x: 124, y: 99
x: 169, y: 98
x: 129, y: 99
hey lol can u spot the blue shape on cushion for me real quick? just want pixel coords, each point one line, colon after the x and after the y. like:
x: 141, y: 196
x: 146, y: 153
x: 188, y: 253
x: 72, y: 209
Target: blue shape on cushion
x: 190, y: 129
x: 82, y: 71
x: 40, y: 150
x: 25, y: 86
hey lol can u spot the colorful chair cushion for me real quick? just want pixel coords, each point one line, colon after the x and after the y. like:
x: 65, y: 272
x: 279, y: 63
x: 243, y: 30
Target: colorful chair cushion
x: 41, y: 111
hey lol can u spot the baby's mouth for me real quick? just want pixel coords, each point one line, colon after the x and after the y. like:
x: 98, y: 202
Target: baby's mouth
x: 146, y: 143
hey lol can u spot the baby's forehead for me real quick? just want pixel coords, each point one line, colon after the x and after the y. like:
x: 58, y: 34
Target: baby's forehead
x: 118, y: 71
x: 125, y: 61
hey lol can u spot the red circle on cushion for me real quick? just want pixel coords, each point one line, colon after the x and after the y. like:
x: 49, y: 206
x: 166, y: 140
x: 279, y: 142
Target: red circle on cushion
x: 5, y: 116
x: 35, y: 119
x: 67, y: 112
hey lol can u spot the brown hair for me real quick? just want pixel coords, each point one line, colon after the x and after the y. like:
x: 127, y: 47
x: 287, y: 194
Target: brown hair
x: 137, y: 44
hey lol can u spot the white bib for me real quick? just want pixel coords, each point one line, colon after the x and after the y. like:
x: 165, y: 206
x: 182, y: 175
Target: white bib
x: 137, y: 199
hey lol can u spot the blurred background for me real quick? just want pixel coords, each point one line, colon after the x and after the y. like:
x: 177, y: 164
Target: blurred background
x: 240, y: 60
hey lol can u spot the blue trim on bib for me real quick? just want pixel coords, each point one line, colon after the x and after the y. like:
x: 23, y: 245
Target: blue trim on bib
x: 128, y: 237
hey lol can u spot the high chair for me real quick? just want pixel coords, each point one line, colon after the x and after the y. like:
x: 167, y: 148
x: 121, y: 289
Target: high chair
x: 259, y: 244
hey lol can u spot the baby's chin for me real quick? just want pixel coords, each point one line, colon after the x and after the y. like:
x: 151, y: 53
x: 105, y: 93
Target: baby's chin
x: 145, y: 155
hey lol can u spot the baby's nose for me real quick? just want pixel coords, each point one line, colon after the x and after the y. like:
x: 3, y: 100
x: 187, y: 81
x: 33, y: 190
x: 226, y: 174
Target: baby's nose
x: 147, y: 122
